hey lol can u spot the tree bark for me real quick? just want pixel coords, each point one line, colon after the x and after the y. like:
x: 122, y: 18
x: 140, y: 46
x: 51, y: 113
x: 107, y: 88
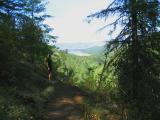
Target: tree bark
x: 134, y: 48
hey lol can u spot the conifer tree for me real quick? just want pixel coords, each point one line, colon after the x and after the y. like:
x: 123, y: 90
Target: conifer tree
x: 136, y: 55
x: 23, y: 36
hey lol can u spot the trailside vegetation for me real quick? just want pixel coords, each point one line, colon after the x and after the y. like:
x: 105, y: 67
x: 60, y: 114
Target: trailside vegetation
x: 23, y: 47
x: 134, y: 55
x: 123, y: 83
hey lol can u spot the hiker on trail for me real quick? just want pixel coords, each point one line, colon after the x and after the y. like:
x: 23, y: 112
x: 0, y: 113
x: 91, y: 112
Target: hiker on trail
x: 49, y: 66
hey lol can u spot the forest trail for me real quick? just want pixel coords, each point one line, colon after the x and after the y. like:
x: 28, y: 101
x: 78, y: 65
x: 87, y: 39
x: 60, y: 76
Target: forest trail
x: 66, y: 103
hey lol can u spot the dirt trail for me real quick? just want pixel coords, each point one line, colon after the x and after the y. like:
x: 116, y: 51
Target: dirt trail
x: 66, y: 103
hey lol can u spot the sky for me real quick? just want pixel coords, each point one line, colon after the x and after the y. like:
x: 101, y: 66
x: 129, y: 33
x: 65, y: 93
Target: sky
x: 69, y: 21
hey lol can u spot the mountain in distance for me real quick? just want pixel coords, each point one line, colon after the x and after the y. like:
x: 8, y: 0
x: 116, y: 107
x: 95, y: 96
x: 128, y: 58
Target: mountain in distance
x: 79, y: 45
x: 83, y: 49
x: 94, y: 50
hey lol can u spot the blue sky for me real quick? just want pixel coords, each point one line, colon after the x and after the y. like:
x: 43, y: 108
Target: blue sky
x: 69, y: 20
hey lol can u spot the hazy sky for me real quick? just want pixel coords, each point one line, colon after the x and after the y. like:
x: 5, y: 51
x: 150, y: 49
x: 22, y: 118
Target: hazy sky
x: 69, y: 20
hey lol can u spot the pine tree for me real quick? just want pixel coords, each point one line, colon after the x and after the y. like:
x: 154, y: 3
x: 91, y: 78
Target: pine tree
x: 136, y: 54
x: 23, y: 36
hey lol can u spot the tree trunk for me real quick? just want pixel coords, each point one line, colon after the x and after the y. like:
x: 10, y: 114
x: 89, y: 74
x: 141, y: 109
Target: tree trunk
x: 136, y: 73
x: 134, y: 48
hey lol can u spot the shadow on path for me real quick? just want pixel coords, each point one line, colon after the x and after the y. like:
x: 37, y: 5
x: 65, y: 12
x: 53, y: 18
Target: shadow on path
x: 66, y: 103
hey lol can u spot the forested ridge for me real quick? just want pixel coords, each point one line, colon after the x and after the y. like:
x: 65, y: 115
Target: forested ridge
x: 123, y: 83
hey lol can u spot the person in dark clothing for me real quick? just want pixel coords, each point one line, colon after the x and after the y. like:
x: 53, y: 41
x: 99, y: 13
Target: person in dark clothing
x: 49, y: 66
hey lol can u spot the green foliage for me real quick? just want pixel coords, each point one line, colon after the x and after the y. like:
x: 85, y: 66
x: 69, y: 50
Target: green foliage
x: 129, y: 86
x: 11, y: 109
x: 78, y: 67
x: 23, y: 35
x: 26, y: 97
x: 23, y: 47
x: 134, y: 56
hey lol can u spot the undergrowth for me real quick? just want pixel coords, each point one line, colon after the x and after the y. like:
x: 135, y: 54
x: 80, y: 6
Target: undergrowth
x: 26, y: 94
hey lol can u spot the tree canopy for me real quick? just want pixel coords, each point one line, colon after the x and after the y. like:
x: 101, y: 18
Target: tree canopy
x: 136, y: 53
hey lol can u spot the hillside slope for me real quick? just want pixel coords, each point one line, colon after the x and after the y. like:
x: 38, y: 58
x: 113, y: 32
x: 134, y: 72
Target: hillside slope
x: 96, y: 50
x: 25, y: 97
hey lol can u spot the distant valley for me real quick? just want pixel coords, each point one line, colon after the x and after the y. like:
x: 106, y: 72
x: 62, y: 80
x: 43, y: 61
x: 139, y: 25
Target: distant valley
x: 83, y: 49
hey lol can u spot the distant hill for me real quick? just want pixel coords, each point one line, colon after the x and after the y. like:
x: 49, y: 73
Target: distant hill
x: 78, y: 46
x: 95, y: 50
x: 92, y: 51
x: 78, y: 53
x: 83, y: 49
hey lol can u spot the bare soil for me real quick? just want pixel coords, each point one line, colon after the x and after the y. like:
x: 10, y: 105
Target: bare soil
x: 66, y: 103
